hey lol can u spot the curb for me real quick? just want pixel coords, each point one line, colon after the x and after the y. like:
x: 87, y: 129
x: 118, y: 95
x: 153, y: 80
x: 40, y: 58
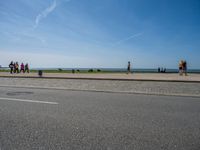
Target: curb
x: 109, y: 79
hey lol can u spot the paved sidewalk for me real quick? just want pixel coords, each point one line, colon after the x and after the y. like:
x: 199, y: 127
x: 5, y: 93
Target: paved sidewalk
x: 123, y: 86
x: 112, y: 76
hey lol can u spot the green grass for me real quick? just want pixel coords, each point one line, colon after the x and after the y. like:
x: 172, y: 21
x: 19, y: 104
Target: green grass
x: 3, y: 70
x: 75, y: 71
x: 66, y: 71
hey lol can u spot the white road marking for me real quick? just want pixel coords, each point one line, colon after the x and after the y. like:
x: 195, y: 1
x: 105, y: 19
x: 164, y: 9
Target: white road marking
x: 27, y: 100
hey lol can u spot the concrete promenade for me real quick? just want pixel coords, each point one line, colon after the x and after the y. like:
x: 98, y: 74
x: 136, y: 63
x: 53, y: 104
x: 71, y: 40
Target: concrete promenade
x: 112, y: 76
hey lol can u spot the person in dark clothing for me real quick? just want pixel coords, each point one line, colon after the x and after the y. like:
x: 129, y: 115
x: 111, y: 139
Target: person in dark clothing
x: 11, y: 66
x: 14, y: 68
x: 185, y: 68
x: 158, y: 69
x: 27, y: 68
x: 129, y: 67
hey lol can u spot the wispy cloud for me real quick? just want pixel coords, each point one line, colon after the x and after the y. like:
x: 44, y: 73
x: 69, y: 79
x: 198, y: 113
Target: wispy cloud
x: 45, y: 13
x: 23, y: 36
x: 127, y: 38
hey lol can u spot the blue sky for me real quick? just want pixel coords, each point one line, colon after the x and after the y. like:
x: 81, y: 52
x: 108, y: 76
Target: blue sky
x: 100, y: 33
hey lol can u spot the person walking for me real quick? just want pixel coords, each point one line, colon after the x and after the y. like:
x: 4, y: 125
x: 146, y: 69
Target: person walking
x: 14, y: 67
x: 129, y: 67
x: 27, y: 68
x: 11, y: 66
x: 17, y: 67
x: 22, y: 68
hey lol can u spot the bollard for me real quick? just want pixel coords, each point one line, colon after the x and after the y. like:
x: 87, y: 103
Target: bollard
x: 40, y: 73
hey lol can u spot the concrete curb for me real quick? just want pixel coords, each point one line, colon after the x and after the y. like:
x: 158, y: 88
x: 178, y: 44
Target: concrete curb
x: 109, y: 79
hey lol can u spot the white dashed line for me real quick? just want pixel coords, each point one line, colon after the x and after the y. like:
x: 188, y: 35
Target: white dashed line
x: 27, y: 100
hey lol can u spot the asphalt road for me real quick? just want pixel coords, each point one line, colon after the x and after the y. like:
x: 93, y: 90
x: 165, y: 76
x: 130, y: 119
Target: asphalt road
x: 62, y: 119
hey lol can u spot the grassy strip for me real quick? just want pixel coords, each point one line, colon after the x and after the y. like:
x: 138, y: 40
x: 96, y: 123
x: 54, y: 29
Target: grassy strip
x: 3, y: 70
x: 68, y: 71
x: 75, y: 71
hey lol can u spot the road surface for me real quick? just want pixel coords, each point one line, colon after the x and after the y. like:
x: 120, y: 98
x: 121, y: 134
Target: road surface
x: 63, y: 119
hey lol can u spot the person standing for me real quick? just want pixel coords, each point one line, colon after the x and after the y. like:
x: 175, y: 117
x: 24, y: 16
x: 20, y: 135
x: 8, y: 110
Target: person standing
x: 11, y: 66
x: 158, y: 69
x: 181, y: 68
x: 129, y: 67
x: 185, y: 67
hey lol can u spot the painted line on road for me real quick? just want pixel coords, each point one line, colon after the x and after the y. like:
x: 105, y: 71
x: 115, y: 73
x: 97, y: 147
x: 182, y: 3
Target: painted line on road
x: 27, y: 100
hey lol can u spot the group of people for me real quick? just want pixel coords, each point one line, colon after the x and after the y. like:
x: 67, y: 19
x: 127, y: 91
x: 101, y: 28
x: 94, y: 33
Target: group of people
x: 182, y: 67
x: 15, y: 68
x: 161, y: 70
